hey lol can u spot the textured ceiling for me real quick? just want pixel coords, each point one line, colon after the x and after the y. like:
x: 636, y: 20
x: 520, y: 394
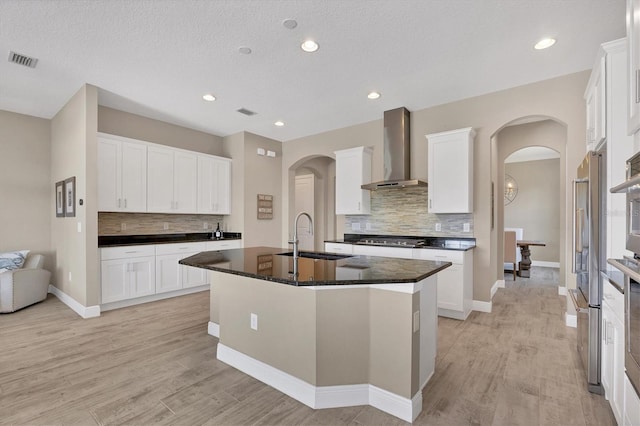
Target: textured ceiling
x: 157, y: 58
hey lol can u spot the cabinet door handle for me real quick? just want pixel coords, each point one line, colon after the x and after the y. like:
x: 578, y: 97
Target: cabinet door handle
x: 118, y: 202
x: 358, y: 205
x: 125, y: 203
x: 429, y: 202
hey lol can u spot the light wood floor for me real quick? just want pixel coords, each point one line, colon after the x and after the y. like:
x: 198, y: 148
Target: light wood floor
x: 155, y: 364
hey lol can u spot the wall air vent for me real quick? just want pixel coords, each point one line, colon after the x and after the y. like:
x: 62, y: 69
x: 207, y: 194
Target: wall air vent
x: 19, y: 59
x: 246, y: 112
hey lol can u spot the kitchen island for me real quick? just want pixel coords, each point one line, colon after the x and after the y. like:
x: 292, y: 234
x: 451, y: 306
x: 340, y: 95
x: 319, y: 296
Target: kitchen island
x: 346, y: 331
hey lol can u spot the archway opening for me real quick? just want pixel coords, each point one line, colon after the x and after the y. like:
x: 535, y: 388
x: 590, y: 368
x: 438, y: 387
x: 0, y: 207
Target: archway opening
x: 312, y: 190
x: 534, y: 150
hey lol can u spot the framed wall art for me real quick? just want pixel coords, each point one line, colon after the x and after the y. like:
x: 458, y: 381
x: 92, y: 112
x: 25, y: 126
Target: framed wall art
x: 60, y: 199
x: 265, y: 206
x: 70, y: 197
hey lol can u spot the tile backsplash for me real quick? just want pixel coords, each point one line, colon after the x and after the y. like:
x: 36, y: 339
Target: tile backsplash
x: 155, y: 223
x: 404, y: 212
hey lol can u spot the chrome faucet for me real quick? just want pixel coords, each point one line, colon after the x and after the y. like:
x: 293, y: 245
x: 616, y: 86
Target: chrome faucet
x: 295, y: 240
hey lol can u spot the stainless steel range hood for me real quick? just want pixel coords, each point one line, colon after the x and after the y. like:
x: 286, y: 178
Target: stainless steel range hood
x: 397, y: 159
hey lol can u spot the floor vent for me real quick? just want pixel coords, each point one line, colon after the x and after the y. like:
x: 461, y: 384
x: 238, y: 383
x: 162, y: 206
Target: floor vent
x: 246, y: 112
x: 19, y: 59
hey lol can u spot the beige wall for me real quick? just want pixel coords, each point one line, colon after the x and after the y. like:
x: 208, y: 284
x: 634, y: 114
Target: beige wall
x: 134, y: 126
x: 26, y: 190
x: 560, y: 98
x: 233, y: 147
x: 536, y: 208
x: 75, y: 239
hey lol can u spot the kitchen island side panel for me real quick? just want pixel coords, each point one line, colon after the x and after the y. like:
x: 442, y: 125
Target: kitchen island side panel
x: 392, y: 365
x: 342, y: 336
x: 286, y: 323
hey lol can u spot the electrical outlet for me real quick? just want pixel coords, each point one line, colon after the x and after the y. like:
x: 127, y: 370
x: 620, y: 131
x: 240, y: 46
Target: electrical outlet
x: 205, y: 225
x: 355, y: 226
x: 166, y: 226
x: 466, y: 227
x: 69, y: 276
x: 123, y: 226
x: 438, y: 227
x: 367, y: 226
x: 416, y: 321
x: 254, y: 322
x: 79, y: 226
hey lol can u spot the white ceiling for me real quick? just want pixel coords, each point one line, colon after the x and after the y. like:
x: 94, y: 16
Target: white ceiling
x: 158, y: 57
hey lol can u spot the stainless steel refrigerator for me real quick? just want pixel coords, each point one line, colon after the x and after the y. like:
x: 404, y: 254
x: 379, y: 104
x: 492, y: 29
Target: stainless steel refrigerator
x: 589, y: 239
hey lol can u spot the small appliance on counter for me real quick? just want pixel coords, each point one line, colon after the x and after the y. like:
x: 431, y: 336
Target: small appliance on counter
x: 218, y: 233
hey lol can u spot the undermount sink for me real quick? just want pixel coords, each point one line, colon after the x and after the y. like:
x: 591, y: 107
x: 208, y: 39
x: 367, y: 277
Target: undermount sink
x: 314, y: 255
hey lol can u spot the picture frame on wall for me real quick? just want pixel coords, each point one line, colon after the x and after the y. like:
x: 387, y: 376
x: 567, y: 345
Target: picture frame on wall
x: 70, y: 197
x: 60, y: 199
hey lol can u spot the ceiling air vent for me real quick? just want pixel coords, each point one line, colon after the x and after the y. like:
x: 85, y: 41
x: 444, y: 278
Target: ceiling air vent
x: 19, y: 59
x: 246, y: 112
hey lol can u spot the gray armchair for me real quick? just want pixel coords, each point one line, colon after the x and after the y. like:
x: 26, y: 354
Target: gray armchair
x: 20, y: 288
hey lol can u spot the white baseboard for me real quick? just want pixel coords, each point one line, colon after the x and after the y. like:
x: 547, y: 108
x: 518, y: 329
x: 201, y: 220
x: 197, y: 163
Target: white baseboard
x: 480, y: 306
x: 571, y: 320
x: 213, y: 329
x: 562, y: 291
x: 498, y: 284
x: 77, y: 307
x: 153, y: 298
x: 545, y: 264
x: 323, y: 396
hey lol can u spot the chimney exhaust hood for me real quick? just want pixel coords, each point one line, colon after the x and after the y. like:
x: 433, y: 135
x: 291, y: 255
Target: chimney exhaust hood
x: 397, y: 159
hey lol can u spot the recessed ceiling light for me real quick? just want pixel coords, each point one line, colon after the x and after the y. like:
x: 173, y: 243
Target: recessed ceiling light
x: 209, y: 97
x: 309, y: 46
x: 544, y: 43
x: 289, y: 23
x: 244, y: 50
x: 279, y: 123
x: 373, y: 95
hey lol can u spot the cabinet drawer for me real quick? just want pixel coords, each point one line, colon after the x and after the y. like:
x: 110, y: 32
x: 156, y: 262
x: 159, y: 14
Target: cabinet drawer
x: 439, y: 255
x: 123, y: 252
x: 176, y: 248
x: 338, y: 248
x: 615, y: 299
x: 223, y: 245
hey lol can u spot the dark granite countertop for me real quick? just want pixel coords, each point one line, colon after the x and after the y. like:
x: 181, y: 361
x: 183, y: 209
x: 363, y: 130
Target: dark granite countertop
x: 440, y: 243
x: 128, y: 240
x: 265, y: 263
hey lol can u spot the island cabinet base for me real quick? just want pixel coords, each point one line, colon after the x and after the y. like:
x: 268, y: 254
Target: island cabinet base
x: 330, y: 346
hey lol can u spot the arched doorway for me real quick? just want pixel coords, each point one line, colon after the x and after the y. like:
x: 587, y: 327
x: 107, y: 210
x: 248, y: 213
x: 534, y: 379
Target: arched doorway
x: 315, y: 174
x: 527, y: 132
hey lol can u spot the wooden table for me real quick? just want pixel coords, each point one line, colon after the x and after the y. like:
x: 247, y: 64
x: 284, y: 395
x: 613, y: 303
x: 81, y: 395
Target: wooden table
x: 525, y: 263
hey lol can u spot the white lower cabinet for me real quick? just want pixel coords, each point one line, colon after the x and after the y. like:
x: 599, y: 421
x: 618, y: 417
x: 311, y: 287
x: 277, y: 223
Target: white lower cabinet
x: 631, y: 404
x: 455, y: 283
x: 612, y: 370
x: 170, y: 275
x: 127, y: 272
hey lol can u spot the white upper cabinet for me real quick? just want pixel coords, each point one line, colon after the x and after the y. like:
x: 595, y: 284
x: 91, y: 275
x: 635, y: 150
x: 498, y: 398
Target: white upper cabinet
x: 172, y: 180
x: 450, y: 173
x: 353, y: 169
x: 122, y: 175
x: 596, y: 100
x: 633, y: 64
x: 214, y: 185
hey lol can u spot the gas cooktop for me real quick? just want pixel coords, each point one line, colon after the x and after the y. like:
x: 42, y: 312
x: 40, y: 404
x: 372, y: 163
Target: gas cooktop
x: 392, y: 241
